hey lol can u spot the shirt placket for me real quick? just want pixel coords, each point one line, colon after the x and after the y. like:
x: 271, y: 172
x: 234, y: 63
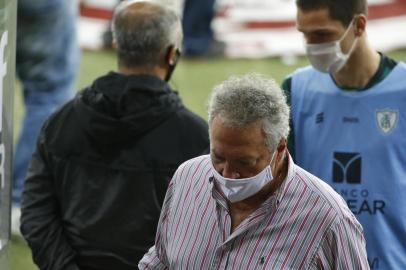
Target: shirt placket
x: 224, y: 227
x: 225, y: 248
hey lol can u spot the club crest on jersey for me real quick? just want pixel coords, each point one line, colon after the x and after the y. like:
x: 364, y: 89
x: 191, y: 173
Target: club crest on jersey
x: 386, y: 120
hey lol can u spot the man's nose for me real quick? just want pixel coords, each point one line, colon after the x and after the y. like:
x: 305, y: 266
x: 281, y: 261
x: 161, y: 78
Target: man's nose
x: 230, y: 172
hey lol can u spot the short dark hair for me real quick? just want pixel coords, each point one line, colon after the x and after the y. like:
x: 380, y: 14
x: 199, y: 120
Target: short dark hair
x: 341, y: 10
x: 143, y: 35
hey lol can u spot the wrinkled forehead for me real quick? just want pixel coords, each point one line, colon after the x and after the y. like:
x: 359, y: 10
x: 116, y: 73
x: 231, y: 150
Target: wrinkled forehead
x: 223, y: 131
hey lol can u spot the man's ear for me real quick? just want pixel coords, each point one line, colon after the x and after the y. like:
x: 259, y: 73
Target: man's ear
x: 281, y: 149
x: 360, y: 24
x: 172, y: 55
x: 282, y: 145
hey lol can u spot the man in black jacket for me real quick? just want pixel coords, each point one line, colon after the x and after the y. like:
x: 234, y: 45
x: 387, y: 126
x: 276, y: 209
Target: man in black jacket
x: 98, y: 177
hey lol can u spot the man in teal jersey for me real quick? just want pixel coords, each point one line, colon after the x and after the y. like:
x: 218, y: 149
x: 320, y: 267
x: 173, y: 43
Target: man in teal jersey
x: 348, y: 116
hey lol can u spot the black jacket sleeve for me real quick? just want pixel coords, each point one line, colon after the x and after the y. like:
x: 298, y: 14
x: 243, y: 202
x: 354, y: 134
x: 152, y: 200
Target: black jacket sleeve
x: 41, y: 222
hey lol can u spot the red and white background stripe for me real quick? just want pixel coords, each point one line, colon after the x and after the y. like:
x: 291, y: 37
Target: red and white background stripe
x: 258, y: 28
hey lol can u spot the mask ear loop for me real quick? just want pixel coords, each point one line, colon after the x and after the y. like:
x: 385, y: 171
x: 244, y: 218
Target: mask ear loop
x: 344, y: 35
x: 171, y: 67
x: 347, y: 30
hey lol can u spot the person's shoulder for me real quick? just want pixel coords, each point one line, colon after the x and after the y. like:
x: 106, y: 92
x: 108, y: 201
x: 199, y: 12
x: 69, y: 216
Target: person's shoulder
x: 60, y: 129
x: 193, y: 167
x: 286, y: 84
x: 184, y: 117
x: 191, y: 128
x: 301, y: 78
x: 325, y: 194
x: 59, y: 117
x: 394, y: 81
x: 190, y: 118
x: 401, y: 65
x: 392, y: 64
x: 199, y: 162
x: 302, y: 71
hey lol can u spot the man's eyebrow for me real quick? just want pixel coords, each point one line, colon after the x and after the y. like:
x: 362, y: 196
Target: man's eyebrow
x: 213, y: 152
x: 319, y: 30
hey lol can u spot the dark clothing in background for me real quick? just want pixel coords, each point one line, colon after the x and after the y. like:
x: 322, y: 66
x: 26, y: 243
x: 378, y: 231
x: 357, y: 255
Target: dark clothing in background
x: 196, y: 23
x: 98, y: 177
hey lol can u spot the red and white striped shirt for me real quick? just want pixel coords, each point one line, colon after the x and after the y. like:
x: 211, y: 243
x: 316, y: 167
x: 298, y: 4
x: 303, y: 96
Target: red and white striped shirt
x: 304, y: 225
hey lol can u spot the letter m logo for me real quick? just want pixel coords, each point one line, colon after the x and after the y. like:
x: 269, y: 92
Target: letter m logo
x: 347, y: 168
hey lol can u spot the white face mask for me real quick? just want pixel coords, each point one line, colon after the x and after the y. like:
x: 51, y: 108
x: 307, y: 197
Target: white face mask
x: 329, y: 57
x: 239, y: 189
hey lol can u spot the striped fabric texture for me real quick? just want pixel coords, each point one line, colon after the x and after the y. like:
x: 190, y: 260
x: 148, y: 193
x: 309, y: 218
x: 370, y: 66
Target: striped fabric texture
x: 304, y: 225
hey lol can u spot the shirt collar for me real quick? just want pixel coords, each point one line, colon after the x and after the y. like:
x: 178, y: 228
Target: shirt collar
x: 216, y: 194
x: 281, y: 191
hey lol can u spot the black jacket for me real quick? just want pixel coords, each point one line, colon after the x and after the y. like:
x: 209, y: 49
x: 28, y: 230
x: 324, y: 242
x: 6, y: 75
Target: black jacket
x: 98, y: 177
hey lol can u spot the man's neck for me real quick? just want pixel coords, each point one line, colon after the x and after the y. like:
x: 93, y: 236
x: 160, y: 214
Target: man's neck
x: 360, y: 68
x: 157, y: 71
x: 239, y: 211
x: 251, y: 204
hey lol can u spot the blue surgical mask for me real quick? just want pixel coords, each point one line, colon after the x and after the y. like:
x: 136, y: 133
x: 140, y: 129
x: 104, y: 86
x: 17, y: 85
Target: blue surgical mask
x: 329, y: 57
x: 239, y: 189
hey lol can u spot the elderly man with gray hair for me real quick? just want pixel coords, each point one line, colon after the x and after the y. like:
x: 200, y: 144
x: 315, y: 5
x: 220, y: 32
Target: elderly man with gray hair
x: 99, y: 175
x: 247, y: 205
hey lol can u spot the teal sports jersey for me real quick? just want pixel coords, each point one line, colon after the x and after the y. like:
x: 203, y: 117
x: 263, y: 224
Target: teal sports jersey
x: 356, y: 142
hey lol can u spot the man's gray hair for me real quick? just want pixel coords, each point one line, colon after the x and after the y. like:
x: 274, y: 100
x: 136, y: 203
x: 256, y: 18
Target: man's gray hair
x: 243, y: 100
x: 144, y: 34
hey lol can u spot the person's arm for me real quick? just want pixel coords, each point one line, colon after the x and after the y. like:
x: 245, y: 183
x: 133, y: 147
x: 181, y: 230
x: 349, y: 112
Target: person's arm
x: 41, y: 222
x: 287, y: 86
x: 343, y: 247
x: 155, y: 258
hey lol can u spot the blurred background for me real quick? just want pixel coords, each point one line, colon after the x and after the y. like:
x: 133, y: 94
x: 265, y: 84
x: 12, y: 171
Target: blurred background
x: 257, y: 35
x: 257, y: 28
